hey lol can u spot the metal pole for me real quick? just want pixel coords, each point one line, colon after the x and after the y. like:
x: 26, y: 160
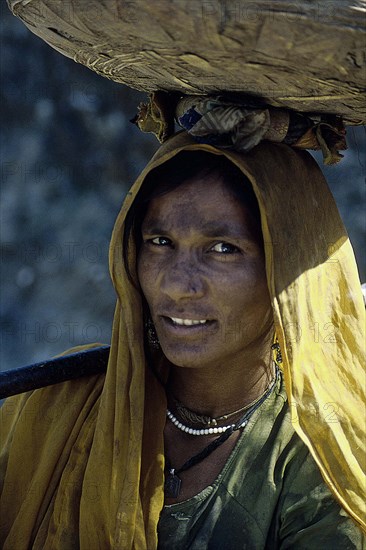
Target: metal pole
x: 54, y: 371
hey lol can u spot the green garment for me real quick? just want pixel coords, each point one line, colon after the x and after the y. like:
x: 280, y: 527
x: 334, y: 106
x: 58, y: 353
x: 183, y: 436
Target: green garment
x: 270, y: 495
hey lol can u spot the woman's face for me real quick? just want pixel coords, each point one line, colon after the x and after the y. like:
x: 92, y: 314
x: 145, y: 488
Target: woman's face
x: 203, y: 275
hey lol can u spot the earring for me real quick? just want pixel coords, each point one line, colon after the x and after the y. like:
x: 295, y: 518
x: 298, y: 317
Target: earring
x: 276, y: 347
x: 152, y: 337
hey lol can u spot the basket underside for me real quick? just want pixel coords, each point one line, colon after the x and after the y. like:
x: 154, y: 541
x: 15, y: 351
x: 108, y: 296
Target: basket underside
x: 308, y: 56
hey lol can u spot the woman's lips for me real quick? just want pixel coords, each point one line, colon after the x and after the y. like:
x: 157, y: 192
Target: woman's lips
x: 188, y: 322
x: 188, y: 326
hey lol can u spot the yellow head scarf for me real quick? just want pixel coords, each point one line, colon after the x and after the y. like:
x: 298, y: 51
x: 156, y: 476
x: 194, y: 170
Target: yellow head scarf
x: 84, y: 460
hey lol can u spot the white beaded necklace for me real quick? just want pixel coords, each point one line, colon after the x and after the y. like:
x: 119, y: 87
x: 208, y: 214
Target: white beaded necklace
x: 172, y: 480
x: 203, y: 431
x: 221, y: 429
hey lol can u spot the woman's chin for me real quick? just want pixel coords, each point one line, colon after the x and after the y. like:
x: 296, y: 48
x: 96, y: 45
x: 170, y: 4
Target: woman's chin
x: 188, y: 358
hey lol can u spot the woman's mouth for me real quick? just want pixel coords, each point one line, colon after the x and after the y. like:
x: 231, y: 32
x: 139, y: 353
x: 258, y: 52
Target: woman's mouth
x: 178, y: 325
x: 188, y: 322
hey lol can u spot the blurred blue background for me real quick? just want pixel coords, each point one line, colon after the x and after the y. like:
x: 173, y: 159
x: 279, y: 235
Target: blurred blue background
x: 68, y: 155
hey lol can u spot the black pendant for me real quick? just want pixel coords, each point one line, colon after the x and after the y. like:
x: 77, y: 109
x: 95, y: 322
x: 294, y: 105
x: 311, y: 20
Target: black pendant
x: 172, y: 485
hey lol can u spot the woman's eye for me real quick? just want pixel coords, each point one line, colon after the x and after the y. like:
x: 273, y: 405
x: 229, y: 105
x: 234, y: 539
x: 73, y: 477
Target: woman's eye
x: 225, y: 248
x: 160, y: 241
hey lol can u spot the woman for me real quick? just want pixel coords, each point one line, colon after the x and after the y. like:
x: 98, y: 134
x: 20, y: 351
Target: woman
x: 84, y: 460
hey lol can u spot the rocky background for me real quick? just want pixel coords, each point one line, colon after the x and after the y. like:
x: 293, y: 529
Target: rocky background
x: 68, y: 155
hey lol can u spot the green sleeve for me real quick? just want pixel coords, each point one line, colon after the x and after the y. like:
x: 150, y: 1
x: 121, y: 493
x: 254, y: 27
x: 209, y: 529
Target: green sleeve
x: 311, y: 518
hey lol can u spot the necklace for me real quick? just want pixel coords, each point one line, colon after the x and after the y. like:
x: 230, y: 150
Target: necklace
x: 193, y: 431
x: 173, y: 482
x: 206, y: 421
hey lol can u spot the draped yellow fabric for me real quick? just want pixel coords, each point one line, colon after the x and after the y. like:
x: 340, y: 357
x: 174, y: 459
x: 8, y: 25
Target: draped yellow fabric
x: 83, y: 460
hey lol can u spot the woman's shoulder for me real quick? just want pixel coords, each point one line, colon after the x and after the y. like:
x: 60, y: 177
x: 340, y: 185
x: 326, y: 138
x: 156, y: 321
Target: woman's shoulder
x: 276, y: 481
x: 45, y: 406
x: 42, y: 431
x: 58, y: 388
x: 47, y: 416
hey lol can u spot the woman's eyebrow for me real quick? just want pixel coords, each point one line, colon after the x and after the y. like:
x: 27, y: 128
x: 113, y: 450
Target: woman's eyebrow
x: 215, y: 229
x: 153, y: 227
x: 209, y: 229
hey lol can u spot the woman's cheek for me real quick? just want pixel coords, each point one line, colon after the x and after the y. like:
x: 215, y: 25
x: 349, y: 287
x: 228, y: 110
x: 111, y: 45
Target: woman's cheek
x: 148, y: 274
x: 142, y: 272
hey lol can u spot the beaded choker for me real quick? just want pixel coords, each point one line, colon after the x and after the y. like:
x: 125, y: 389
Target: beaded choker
x: 193, y: 431
x: 172, y: 481
x: 207, y: 423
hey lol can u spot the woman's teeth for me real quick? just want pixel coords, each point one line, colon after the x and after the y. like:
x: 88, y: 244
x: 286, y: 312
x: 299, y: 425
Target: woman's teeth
x: 188, y: 322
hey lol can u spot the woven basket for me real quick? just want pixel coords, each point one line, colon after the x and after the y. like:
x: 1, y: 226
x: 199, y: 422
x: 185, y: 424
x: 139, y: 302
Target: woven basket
x: 308, y: 56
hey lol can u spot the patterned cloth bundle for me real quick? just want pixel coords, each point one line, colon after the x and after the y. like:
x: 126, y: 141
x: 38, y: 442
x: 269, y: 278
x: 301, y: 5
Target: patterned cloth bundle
x: 239, y: 123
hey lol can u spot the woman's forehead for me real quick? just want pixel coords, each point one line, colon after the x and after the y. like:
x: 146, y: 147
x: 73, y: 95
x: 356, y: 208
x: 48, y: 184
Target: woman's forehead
x: 200, y: 203
x: 197, y: 192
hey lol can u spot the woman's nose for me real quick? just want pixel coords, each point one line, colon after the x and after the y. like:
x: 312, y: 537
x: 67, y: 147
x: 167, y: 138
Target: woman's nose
x: 183, y: 279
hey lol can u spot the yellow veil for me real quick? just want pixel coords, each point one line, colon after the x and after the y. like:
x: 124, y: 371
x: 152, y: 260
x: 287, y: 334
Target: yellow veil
x: 83, y: 460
